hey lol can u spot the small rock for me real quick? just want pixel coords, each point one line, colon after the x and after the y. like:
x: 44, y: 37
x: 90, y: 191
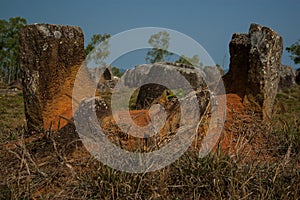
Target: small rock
x: 287, y: 77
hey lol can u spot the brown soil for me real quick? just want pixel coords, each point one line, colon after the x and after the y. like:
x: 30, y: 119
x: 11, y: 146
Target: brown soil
x: 244, y: 132
x: 243, y: 129
x: 57, y: 156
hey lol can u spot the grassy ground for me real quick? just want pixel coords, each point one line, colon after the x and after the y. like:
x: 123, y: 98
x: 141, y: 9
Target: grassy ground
x: 12, y: 117
x: 57, y: 166
x: 286, y: 121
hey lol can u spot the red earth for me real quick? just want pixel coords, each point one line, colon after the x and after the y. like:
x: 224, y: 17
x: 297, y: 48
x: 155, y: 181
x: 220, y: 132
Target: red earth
x: 242, y: 133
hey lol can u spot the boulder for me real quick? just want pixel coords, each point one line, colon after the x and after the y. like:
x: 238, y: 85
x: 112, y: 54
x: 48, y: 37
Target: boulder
x: 255, y: 63
x: 101, y: 74
x: 90, y: 106
x: 87, y: 122
x: 287, y: 77
x: 172, y: 123
x: 50, y: 56
x: 159, y: 72
x: 104, y: 77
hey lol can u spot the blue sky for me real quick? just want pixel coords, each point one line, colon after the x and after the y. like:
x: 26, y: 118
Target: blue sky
x: 211, y: 23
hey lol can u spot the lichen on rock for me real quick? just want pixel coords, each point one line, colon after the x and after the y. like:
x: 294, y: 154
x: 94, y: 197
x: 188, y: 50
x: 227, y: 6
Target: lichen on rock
x: 254, y: 71
x: 50, y: 57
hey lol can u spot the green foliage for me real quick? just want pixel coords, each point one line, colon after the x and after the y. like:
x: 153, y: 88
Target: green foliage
x: 98, y: 49
x: 116, y: 71
x: 175, y: 94
x: 9, y: 48
x: 159, y: 53
x: 160, y: 44
x: 294, y: 50
x: 194, y: 61
x: 95, y: 40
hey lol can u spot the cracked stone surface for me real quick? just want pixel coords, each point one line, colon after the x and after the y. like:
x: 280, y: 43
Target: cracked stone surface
x: 255, y: 64
x: 50, y: 56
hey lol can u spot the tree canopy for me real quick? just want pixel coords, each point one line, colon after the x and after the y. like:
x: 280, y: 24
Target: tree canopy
x: 98, y: 48
x: 294, y: 50
x: 116, y: 71
x: 9, y: 48
x: 160, y: 44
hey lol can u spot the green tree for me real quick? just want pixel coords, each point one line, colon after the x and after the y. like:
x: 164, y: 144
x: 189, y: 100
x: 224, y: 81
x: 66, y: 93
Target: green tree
x: 160, y: 44
x: 9, y: 48
x: 294, y: 50
x: 98, y: 49
x: 116, y: 71
x: 195, y: 61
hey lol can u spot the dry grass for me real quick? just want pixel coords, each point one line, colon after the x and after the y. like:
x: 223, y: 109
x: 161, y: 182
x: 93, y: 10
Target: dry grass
x: 57, y: 166
x: 12, y: 117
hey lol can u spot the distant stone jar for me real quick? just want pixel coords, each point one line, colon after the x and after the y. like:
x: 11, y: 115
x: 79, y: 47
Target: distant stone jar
x: 287, y: 77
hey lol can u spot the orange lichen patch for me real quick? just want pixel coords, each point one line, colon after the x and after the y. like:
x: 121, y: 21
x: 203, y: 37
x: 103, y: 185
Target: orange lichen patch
x: 49, y: 69
x: 60, y: 117
x: 60, y: 102
x: 58, y: 108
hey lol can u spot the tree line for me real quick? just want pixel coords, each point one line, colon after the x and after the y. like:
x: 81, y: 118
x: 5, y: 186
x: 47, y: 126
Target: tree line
x: 9, y: 49
x: 10, y: 56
